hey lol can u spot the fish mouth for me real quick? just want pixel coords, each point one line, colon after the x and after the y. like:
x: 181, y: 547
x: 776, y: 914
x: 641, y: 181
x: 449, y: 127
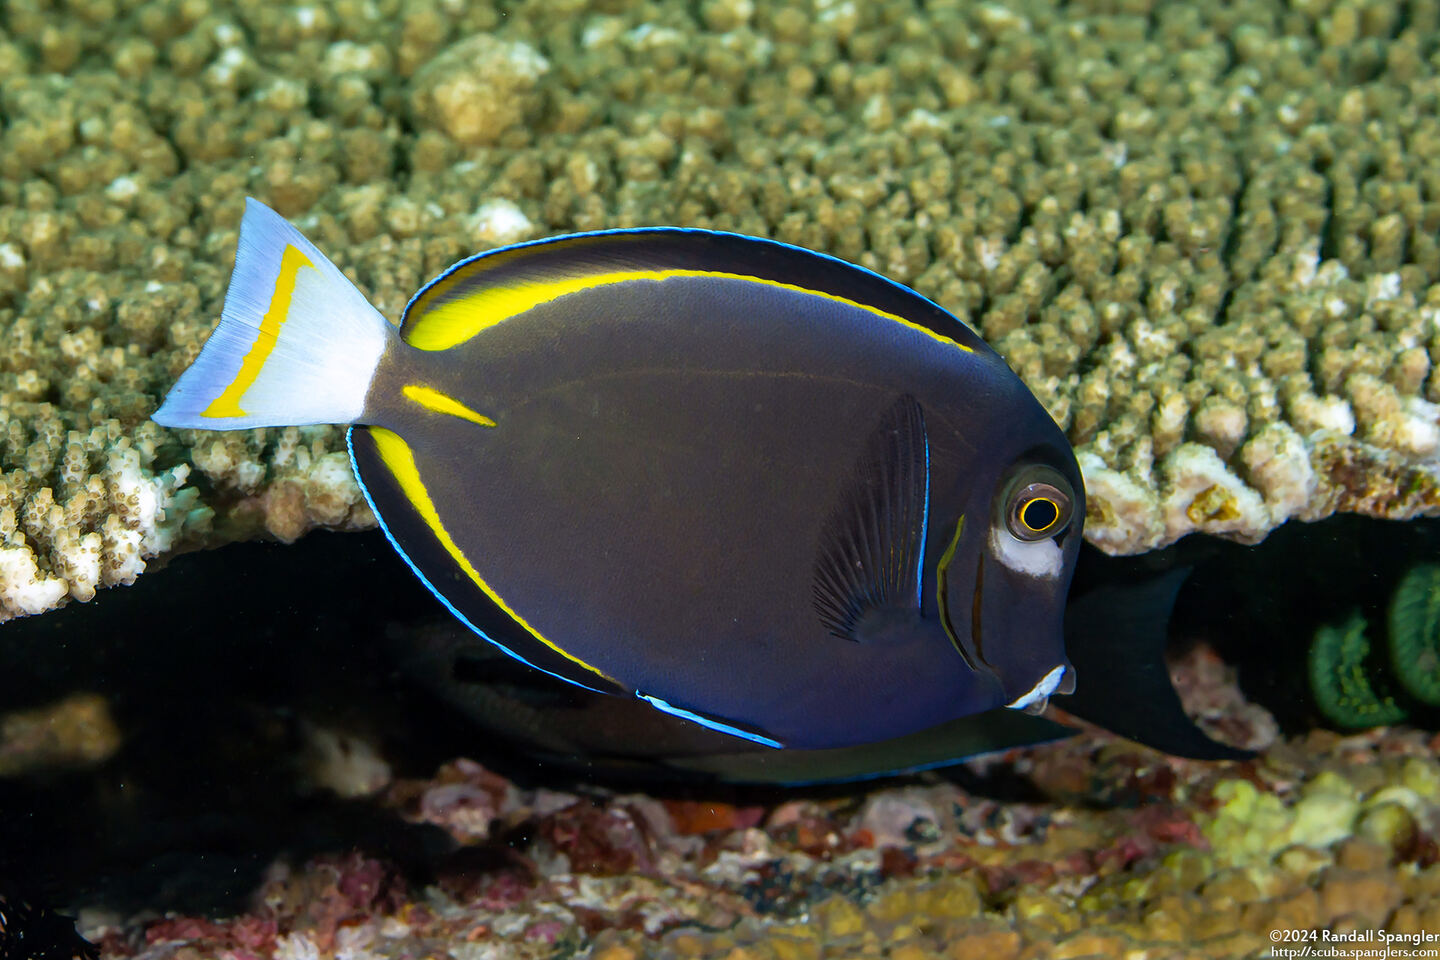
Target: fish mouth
x: 1037, y: 698
x: 1015, y: 631
x: 1016, y: 614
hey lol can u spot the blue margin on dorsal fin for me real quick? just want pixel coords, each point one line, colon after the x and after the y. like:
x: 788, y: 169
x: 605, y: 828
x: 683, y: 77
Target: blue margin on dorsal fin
x: 666, y: 247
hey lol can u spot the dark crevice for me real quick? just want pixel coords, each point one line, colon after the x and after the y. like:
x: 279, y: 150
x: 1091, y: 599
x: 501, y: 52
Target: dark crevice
x: 1230, y: 244
x: 1329, y: 230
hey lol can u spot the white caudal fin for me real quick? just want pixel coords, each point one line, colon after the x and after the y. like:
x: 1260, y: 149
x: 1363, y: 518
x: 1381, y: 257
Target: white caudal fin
x: 296, y: 343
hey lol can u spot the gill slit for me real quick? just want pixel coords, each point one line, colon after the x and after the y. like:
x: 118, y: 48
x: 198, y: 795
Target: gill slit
x: 976, y: 620
x: 942, y: 594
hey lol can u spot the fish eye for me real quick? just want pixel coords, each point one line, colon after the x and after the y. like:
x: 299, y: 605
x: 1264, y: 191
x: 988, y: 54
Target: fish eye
x: 1039, y: 504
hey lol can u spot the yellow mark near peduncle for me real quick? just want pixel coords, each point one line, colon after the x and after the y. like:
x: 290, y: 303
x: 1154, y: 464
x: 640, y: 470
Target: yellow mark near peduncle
x: 455, y: 321
x: 228, y: 403
x: 434, y: 400
x: 401, y: 463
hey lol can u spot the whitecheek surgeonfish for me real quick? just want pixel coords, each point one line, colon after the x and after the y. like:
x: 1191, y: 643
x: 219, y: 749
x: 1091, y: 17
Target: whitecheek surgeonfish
x: 754, y: 487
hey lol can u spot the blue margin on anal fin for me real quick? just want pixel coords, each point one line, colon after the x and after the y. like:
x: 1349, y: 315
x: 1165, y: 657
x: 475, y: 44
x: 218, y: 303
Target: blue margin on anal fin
x: 379, y: 518
x: 719, y: 726
x: 943, y: 745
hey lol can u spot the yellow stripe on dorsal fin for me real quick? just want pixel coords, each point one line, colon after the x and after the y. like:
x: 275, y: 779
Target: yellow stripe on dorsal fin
x: 432, y: 399
x: 228, y: 403
x: 452, y: 322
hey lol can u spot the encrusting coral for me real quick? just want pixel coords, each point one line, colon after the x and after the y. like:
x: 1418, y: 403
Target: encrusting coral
x: 1121, y: 854
x: 1204, y: 233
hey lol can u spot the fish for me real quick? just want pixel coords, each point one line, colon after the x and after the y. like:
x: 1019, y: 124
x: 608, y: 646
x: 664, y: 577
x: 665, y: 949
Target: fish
x: 751, y: 486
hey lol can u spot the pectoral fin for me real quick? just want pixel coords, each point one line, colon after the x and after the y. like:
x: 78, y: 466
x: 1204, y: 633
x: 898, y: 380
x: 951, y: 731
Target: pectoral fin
x: 871, y: 553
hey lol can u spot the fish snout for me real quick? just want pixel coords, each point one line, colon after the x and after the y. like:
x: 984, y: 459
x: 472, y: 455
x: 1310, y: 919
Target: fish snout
x: 1059, y: 679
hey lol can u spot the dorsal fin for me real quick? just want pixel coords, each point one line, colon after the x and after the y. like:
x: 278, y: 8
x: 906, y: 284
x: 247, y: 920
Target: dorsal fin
x: 495, y: 274
x: 870, y: 553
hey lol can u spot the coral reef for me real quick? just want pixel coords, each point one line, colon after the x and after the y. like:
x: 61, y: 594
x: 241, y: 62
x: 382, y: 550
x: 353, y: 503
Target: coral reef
x: 289, y: 800
x: 1122, y: 853
x: 1354, y: 686
x: 1205, y: 234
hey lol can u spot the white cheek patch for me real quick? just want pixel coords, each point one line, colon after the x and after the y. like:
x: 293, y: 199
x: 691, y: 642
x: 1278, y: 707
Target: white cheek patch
x: 1040, y: 558
x: 1039, y: 694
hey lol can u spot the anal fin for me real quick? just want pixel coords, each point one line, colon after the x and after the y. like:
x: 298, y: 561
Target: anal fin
x: 943, y: 745
x: 871, y: 552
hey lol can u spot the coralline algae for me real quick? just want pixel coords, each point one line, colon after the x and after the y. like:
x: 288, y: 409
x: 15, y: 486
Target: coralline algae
x: 1204, y: 234
x: 1338, y: 836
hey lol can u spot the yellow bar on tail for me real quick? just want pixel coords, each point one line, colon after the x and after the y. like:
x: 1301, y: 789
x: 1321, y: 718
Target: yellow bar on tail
x: 228, y: 403
x: 297, y: 343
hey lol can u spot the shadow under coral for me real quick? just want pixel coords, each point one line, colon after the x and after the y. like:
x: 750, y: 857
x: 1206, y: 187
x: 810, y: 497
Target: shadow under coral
x: 212, y: 667
x: 215, y: 668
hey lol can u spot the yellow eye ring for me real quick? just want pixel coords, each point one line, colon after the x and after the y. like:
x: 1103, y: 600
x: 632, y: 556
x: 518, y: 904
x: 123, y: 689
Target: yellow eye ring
x: 1038, y: 515
x: 1038, y: 510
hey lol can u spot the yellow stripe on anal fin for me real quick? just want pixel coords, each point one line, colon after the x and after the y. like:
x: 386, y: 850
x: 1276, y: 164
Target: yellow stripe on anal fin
x: 228, y: 403
x: 434, y: 400
x: 455, y: 321
x: 400, y: 461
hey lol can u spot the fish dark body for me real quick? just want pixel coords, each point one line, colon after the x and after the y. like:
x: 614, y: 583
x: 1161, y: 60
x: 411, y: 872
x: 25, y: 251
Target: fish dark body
x: 753, y: 486
x: 1116, y: 631
x: 672, y: 456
